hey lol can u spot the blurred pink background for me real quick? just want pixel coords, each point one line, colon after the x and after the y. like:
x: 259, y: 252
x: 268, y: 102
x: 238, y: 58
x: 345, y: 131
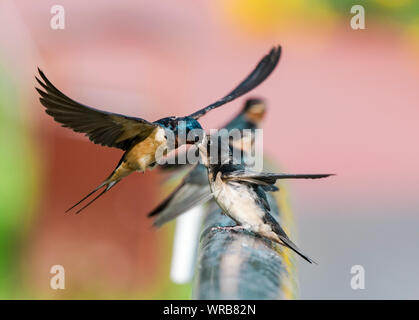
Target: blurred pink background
x: 341, y: 100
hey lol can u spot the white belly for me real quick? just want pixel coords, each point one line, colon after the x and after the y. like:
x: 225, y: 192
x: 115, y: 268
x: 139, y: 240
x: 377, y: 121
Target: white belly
x: 236, y: 201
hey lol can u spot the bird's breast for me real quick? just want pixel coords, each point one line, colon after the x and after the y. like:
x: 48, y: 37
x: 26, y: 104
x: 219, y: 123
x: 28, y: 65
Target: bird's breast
x: 237, y: 201
x: 147, y: 152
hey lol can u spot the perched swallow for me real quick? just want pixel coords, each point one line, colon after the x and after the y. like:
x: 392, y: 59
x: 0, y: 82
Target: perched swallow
x: 194, y: 188
x: 240, y: 194
x: 139, y: 138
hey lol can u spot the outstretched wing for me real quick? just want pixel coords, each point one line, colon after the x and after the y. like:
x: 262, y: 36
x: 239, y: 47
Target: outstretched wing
x: 104, y: 128
x: 258, y: 75
x: 266, y: 178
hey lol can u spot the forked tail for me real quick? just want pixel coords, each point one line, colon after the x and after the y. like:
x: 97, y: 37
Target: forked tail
x: 112, y: 180
x: 107, y: 184
x: 289, y: 244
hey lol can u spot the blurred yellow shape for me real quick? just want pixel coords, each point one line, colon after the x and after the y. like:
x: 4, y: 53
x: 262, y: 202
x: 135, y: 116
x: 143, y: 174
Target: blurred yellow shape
x: 268, y: 17
x: 263, y: 15
x: 412, y: 40
x: 413, y: 32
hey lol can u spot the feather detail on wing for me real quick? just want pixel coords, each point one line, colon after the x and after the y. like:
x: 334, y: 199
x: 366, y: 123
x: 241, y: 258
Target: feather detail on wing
x: 263, y: 69
x: 184, y: 199
x: 194, y: 190
x: 102, y: 127
x: 267, y: 178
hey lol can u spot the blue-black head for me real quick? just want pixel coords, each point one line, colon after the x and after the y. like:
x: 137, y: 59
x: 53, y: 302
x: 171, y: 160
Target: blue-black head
x: 186, y: 129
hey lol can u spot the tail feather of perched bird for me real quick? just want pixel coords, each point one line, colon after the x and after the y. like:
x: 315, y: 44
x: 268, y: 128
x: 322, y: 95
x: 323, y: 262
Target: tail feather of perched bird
x: 267, y: 178
x: 279, y: 236
x: 289, y: 244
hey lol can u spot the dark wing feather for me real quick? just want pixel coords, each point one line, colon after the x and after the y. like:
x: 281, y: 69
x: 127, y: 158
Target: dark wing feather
x: 104, y: 128
x: 193, y: 191
x: 261, y: 196
x: 268, y: 219
x: 183, y: 199
x: 270, y: 188
x: 266, y: 178
x: 258, y: 75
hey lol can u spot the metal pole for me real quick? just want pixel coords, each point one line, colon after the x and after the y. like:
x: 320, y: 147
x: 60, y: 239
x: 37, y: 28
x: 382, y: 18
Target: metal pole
x: 241, y: 265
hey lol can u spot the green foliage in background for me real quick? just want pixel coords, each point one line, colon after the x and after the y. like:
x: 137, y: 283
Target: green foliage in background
x: 404, y: 12
x: 18, y: 192
x: 16, y: 184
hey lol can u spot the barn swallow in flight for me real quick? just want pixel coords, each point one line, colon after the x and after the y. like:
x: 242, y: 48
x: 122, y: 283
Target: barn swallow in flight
x: 138, y: 138
x: 240, y: 193
x: 194, y: 188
